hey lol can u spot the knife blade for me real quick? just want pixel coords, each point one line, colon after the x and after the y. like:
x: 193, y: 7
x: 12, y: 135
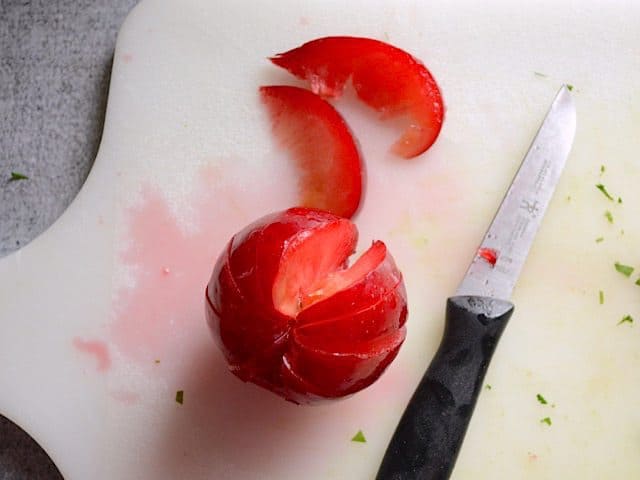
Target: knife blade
x: 426, y: 443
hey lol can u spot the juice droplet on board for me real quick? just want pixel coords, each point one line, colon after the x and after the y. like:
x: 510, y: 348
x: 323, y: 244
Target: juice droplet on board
x: 96, y: 348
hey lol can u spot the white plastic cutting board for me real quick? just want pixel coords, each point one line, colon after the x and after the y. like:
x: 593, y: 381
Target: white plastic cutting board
x: 88, y: 309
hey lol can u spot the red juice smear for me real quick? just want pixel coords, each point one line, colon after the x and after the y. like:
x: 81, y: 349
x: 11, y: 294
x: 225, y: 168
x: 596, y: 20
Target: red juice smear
x: 98, y: 349
x: 489, y: 254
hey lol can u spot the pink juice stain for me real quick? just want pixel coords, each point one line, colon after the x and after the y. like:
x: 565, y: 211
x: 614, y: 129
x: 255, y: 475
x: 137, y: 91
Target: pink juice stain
x: 171, y: 271
x: 96, y: 348
x: 162, y: 314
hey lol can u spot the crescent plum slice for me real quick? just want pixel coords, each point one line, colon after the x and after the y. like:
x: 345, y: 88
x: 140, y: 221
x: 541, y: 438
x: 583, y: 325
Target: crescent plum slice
x: 386, y: 78
x: 321, y: 147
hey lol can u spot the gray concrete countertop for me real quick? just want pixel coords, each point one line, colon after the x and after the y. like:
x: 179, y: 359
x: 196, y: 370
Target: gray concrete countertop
x: 55, y: 62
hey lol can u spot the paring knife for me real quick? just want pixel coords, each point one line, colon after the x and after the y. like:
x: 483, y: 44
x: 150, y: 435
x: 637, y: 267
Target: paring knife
x: 428, y: 438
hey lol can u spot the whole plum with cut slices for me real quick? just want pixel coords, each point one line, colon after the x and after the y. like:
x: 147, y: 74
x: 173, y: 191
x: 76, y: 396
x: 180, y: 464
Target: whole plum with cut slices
x: 291, y: 315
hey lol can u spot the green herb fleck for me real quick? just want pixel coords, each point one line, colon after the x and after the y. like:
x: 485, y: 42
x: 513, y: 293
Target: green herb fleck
x: 359, y: 437
x: 619, y: 200
x: 603, y: 189
x: 638, y: 281
x: 18, y: 176
x: 626, y: 319
x: 539, y: 74
x: 626, y: 270
x: 602, y: 168
x: 608, y: 216
x: 599, y: 239
x: 541, y: 399
x: 568, y: 198
x: 488, y: 386
x: 601, y: 297
x: 180, y: 396
x: 546, y: 420
x: 570, y: 87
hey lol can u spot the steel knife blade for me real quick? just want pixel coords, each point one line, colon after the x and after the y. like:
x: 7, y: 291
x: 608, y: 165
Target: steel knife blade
x: 516, y: 222
x: 429, y: 436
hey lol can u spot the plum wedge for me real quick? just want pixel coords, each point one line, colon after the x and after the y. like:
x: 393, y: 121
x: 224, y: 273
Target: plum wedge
x: 386, y: 78
x: 320, y: 145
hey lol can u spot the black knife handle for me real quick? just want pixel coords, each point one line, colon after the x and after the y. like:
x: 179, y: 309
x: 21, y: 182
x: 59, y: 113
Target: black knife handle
x: 427, y: 440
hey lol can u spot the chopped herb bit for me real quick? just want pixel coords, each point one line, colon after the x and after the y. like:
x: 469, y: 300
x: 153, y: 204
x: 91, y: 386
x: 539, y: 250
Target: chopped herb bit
x: 619, y: 200
x: 180, y: 396
x: 359, y: 437
x: 626, y: 319
x: 18, y: 176
x: 603, y: 189
x: 638, y: 281
x: 541, y: 399
x: 601, y: 297
x: 570, y: 87
x: 626, y: 270
x: 568, y: 198
x: 602, y: 168
x: 546, y: 420
x: 539, y: 74
x: 609, y: 216
x: 488, y: 386
x: 599, y: 239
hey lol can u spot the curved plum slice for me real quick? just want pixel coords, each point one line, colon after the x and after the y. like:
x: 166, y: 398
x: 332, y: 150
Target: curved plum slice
x: 386, y: 78
x: 320, y: 145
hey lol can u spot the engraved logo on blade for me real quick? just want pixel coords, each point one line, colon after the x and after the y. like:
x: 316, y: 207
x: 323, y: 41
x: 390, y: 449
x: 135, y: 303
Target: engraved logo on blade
x: 531, y: 207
